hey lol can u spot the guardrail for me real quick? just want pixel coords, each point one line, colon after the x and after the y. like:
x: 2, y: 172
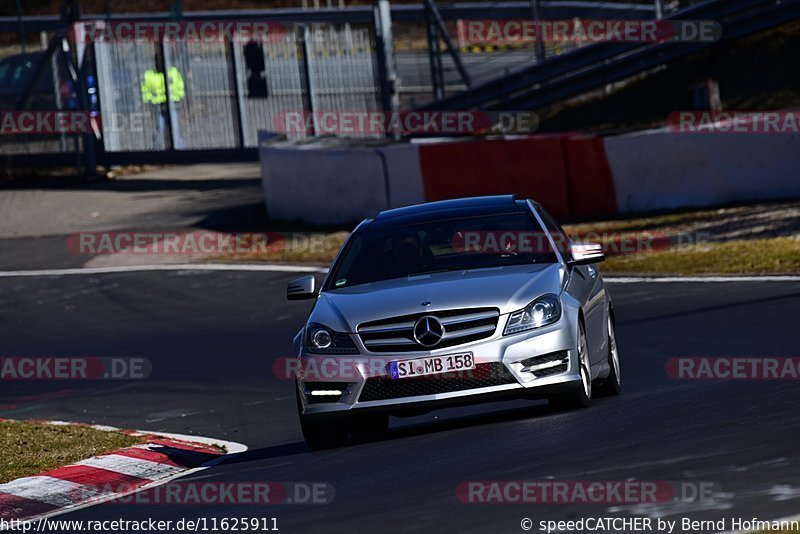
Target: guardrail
x: 598, y: 64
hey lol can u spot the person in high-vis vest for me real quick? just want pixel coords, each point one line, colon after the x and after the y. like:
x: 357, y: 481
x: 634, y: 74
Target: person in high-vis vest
x: 154, y: 91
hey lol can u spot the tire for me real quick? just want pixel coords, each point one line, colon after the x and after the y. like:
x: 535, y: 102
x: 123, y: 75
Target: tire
x: 320, y: 432
x: 581, y: 396
x: 610, y: 385
x: 370, y: 427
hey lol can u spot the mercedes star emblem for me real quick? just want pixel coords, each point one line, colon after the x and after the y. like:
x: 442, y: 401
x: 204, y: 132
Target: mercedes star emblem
x: 428, y: 331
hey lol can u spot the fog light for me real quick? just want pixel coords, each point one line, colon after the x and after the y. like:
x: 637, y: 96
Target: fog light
x: 529, y: 368
x: 546, y: 364
x: 325, y: 392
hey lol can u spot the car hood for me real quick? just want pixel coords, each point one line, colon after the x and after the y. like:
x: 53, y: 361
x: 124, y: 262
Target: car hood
x: 508, y: 288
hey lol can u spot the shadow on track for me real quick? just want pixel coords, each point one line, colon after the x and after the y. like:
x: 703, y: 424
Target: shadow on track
x: 423, y: 428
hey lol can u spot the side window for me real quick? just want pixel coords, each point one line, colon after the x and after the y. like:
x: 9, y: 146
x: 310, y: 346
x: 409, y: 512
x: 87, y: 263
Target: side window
x: 559, y: 235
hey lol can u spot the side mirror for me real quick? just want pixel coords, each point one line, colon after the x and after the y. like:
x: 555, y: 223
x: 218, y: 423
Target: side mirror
x: 586, y: 253
x: 302, y: 288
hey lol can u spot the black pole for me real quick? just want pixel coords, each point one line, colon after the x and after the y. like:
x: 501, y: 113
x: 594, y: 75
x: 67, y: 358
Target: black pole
x: 177, y: 10
x: 306, y: 80
x: 434, y: 54
x: 437, y: 18
x: 540, y: 51
x: 168, y: 117
x: 236, y: 92
x: 384, y: 53
x: 21, y: 26
x: 86, y: 67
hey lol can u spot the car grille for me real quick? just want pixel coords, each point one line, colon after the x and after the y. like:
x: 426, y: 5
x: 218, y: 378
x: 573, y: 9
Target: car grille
x: 483, y: 376
x: 460, y: 326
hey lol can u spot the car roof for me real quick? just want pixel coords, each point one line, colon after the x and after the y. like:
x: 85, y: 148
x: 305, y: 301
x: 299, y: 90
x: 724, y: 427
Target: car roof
x: 454, y: 208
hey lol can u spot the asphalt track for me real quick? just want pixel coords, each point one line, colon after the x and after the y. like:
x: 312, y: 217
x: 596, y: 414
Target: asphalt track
x: 213, y: 336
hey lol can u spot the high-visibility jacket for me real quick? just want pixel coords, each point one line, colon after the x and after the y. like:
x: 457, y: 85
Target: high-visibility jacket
x: 154, y: 90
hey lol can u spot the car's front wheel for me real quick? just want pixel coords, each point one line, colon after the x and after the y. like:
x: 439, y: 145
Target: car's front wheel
x: 581, y: 396
x: 611, y: 384
x: 321, y: 432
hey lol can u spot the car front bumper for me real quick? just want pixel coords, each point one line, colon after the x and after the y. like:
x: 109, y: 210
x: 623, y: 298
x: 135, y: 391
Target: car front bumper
x: 513, y: 357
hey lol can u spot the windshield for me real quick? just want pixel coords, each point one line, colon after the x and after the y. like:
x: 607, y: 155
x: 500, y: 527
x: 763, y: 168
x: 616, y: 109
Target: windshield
x: 382, y: 252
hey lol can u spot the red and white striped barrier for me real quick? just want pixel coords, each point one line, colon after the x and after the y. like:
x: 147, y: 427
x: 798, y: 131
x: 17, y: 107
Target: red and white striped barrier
x: 163, y: 457
x: 572, y: 175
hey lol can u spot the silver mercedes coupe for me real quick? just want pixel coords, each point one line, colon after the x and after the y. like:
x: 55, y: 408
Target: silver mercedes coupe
x: 447, y: 303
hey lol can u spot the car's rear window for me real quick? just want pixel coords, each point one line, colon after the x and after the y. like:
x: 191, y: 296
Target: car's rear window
x: 385, y: 251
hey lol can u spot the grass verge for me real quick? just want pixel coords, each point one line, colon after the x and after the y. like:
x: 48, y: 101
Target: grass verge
x: 779, y: 255
x: 776, y: 255
x: 30, y: 448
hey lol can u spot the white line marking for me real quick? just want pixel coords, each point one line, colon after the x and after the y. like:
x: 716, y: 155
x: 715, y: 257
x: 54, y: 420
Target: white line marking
x: 698, y: 279
x: 170, y: 267
x: 45, y: 489
x: 135, y: 467
x: 281, y: 268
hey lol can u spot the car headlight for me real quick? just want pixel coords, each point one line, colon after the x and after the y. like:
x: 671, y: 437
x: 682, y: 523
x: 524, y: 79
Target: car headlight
x: 323, y: 340
x: 541, y: 312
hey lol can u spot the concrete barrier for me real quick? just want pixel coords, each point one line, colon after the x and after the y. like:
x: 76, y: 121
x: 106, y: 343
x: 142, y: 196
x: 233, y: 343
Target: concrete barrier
x: 659, y: 169
x: 403, y: 173
x: 322, y: 184
x: 339, y: 182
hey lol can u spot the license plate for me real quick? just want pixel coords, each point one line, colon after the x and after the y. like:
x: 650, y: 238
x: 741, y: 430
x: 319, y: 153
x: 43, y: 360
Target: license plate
x: 431, y: 365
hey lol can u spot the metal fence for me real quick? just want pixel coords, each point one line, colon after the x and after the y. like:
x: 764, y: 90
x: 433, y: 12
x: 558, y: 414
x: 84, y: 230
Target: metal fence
x: 127, y: 124
x: 342, y: 74
x: 330, y: 68
x: 284, y: 71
